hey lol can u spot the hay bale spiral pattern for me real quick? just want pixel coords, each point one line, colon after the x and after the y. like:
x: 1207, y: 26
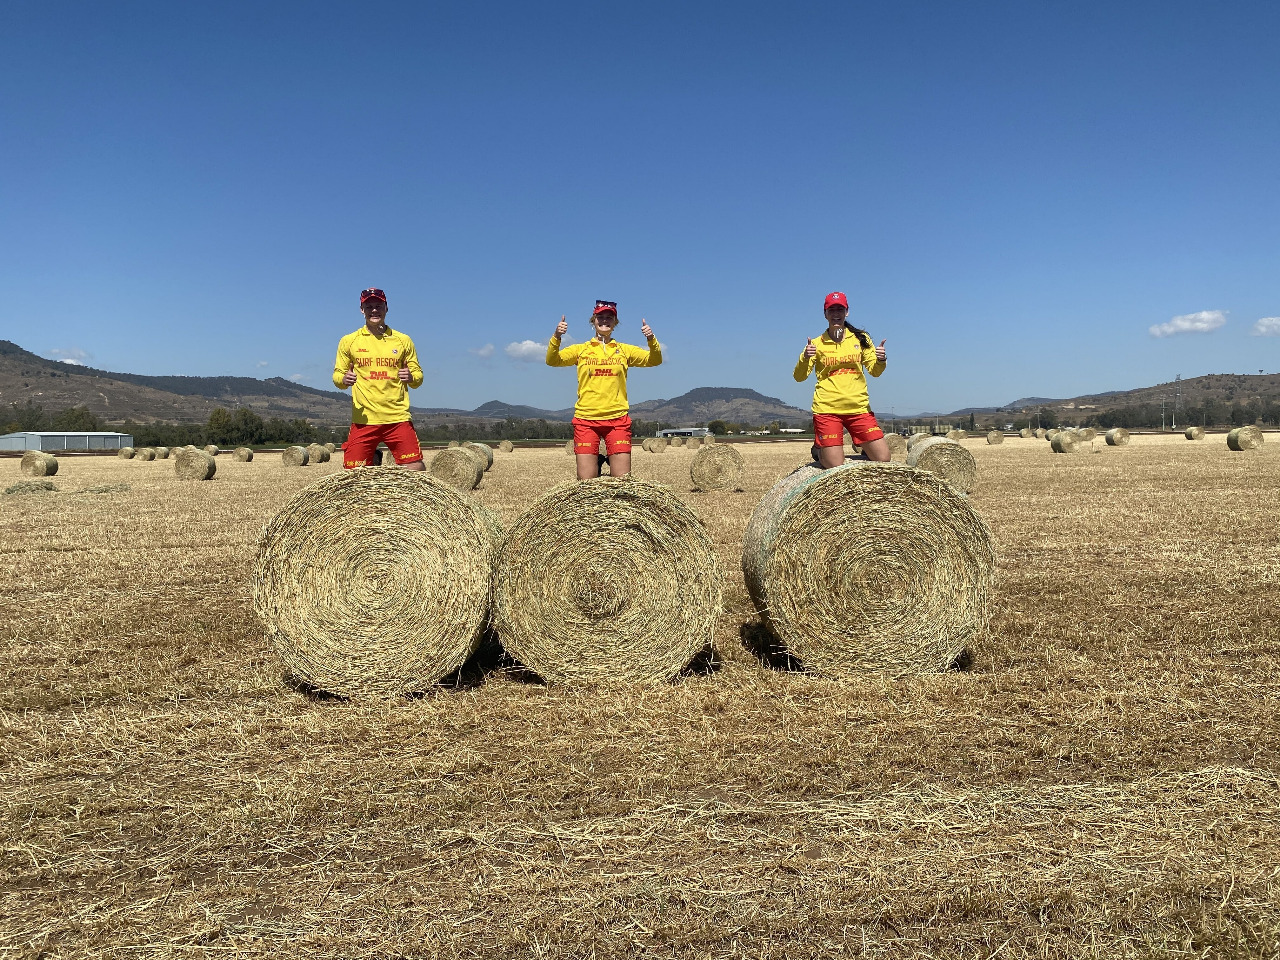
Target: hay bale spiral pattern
x: 869, y: 566
x: 718, y: 467
x: 610, y: 579
x: 458, y: 467
x: 317, y: 453
x: 995, y: 437
x: 1244, y: 438
x: 375, y: 582
x: 294, y: 456
x: 1194, y: 433
x: 1064, y: 442
x: 194, y: 465
x: 506, y: 446
x: 37, y: 463
x: 946, y: 459
x: 484, y: 450
x: 243, y: 454
x: 1117, y: 437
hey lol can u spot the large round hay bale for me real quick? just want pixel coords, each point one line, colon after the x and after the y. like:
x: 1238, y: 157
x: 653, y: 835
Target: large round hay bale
x: 606, y: 579
x: 506, y: 446
x: 1117, y: 437
x: 331, y: 447
x: 659, y: 445
x: 211, y: 449
x: 162, y: 453
x: 194, y: 465
x: 897, y: 446
x: 914, y: 439
x: 1194, y: 433
x: 294, y: 456
x: 717, y: 467
x: 956, y: 434
x: 458, y: 467
x: 317, y: 453
x: 145, y: 453
x: 994, y: 437
x: 946, y: 459
x: 1050, y: 434
x: 37, y: 463
x: 1064, y: 441
x: 243, y: 454
x: 375, y: 582
x: 1024, y: 433
x: 869, y: 566
x: 1244, y: 438
x: 126, y: 453
x: 485, y: 451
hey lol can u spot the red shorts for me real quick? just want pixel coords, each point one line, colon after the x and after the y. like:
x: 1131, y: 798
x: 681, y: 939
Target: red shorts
x: 829, y: 428
x: 615, y: 433
x: 362, y: 443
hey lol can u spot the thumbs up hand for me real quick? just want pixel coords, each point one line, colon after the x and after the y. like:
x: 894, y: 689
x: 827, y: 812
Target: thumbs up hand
x: 403, y: 372
x: 562, y: 327
x: 349, y: 377
x: 880, y: 350
x: 810, y: 350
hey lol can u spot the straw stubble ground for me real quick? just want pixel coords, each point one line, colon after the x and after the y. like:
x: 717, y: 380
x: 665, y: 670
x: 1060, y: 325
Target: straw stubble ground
x: 1103, y: 780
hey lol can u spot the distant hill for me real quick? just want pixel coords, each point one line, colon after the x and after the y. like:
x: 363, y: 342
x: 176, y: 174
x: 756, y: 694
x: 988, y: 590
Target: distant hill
x: 737, y: 404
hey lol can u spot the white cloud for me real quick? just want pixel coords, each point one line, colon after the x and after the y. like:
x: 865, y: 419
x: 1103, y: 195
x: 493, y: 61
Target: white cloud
x: 1205, y: 321
x: 485, y: 351
x: 297, y: 377
x: 75, y: 356
x: 74, y: 363
x: 1267, y: 327
x: 526, y: 350
x: 261, y: 363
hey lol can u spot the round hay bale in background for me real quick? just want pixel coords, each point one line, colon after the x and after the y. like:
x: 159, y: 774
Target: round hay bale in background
x: 568, y: 446
x: 709, y: 440
x: 243, y: 454
x: 485, y: 451
x: 375, y: 582
x: 1194, y: 433
x: 211, y: 449
x: 294, y: 456
x: 897, y: 446
x: 946, y: 459
x: 146, y: 453
x: 676, y: 441
x: 317, y: 453
x: 194, y: 465
x: 454, y: 443
x: 1040, y: 433
x: 1064, y: 442
x: 1024, y: 433
x: 956, y: 434
x: 162, y: 453
x: 558, y: 613
x: 1117, y: 437
x: 659, y: 445
x: 126, y: 453
x: 1086, y: 434
x: 458, y: 467
x: 644, y: 445
x: 506, y: 446
x: 994, y: 437
x: 1050, y: 434
x: 717, y: 467
x: 1244, y: 438
x: 37, y: 463
x: 331, y: 447
x: 869, y: 566
x: 914, y: 439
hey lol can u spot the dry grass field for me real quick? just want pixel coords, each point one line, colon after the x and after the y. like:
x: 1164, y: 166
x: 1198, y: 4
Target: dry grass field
x: 1101, y: 780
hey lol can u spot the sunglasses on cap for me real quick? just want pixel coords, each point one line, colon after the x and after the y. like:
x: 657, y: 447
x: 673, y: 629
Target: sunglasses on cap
x: 605, y: 306
x: 373, y: 293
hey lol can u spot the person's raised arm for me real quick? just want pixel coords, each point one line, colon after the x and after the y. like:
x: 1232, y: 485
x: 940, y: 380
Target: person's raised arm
x: 557, y: 357
x: 649, y: 355
x: 804, y: 366
x: 344, y: 369
x: 874, y: 359
x: 410, y: 372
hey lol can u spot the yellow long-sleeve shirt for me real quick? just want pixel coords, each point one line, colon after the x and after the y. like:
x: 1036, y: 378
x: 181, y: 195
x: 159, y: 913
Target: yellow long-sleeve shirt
x: 378, y: 395
x: 602, y: 373
x: 842, y: 385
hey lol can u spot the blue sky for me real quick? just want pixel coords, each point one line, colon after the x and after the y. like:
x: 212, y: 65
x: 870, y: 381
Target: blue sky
x: 1013, y: 194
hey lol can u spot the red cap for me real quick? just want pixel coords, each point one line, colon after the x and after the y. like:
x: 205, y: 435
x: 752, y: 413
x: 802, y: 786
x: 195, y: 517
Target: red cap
x: 605, y: 306
x: 836, y: 299
x: 373, y: 293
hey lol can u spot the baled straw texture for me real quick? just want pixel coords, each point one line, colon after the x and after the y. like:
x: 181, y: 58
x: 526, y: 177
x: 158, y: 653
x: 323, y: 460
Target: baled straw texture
x: 194, y: 465
x: 709, y: 440
x: 914, y: 439
x: 658, y: 444
x: 146, y: 453
x: 454, y: 443
x: 1244, y: 438
x: 717, y: 467
x: 956, y: 434
x: 458, y: 467
x: 1087, y: 434
x: 1194, y: 433
x: 1050, y: 434
x: 385, y: 457
x: 568, y: 446
x: 676, y: 441
x: 162, y: 453
x: 211, y: 449
x: 1040, y: 433
x: 946, y: 459
x: 607, y: 579
x: 243, y: 454
x: 1117, y: 437
x: 1064, y: 442
x: 1024, y: 433
x: 37, y: 463
x: 331, y: 447
x: 506, y: 446
x: 375, y: 582
x: 294, y: 456
x: 317, y: 453
x: 869, y: 566
x: 994, y: 437
x: 897, y: 446
x: 126, y: 453
x: 484, y: 450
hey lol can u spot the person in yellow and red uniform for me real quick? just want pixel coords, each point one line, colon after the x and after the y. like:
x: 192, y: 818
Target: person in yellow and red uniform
x: 840, y: 401
x: 601, y: 412
x: 379, y: 365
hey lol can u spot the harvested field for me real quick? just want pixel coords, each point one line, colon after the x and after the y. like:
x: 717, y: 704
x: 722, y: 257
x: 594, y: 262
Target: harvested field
x: 1099, y: 784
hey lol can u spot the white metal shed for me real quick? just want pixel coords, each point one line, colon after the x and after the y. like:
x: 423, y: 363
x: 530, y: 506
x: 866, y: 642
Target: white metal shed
x: 79, y: 440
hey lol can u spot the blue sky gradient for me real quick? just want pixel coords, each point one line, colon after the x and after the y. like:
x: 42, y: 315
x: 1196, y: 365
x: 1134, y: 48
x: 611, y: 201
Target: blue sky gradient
x: 1013, y: 194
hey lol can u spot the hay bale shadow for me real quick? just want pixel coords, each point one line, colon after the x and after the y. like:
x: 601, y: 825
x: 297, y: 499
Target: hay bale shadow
x: 704, y: 664
x: 764, y: 646
x: 964, y: 662
x: 490, y: 660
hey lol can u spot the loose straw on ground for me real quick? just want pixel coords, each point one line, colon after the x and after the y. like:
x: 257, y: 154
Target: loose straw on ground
x: 946, y: 459
x: 375, y: 582
x: 294, y: 456
x: 717, y: 467
x: 607, y: 580
x: 243, y: 454
x: 869, y: 566
x: 458, y: 467
x: 1117, y: 437
x: 194, y: 465
x: 37, y: 463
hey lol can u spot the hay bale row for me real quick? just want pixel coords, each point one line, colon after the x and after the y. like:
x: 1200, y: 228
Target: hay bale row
x: 194, y: 465
x: 1024, y: 433
x: 331, y: 447
x: 145, y: 453
x: 458, y: 467
x: 317, y: 453
x: 946, y: 459
x: 211, y: 449
x: 995, y: 437
x: 645, y: 620
x: 37, y: 463
x: 869, y: 566
x: 568, y: 447
x: 1040, y: 433
x: 1244, y: 438
x: 654, y: 445
x: 1117, y: 437
x: 676, y: 441
x: 126, y: 453
x: 382, y: 615
x: 162, y: 453
x: 483, y: 450
x: 1087, y: 434
x: 243, y: 454
x: 294, y: 456
x: 717, y: 467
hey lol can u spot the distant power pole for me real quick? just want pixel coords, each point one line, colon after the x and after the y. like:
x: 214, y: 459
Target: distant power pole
x: 1177, y: 396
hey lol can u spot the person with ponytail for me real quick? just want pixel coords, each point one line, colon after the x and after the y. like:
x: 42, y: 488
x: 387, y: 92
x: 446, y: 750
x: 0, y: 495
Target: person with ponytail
x: 840, y: 401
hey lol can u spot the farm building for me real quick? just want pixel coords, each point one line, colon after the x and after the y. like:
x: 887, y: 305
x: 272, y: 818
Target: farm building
x: 65, y: 441
x: 684, y: 432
